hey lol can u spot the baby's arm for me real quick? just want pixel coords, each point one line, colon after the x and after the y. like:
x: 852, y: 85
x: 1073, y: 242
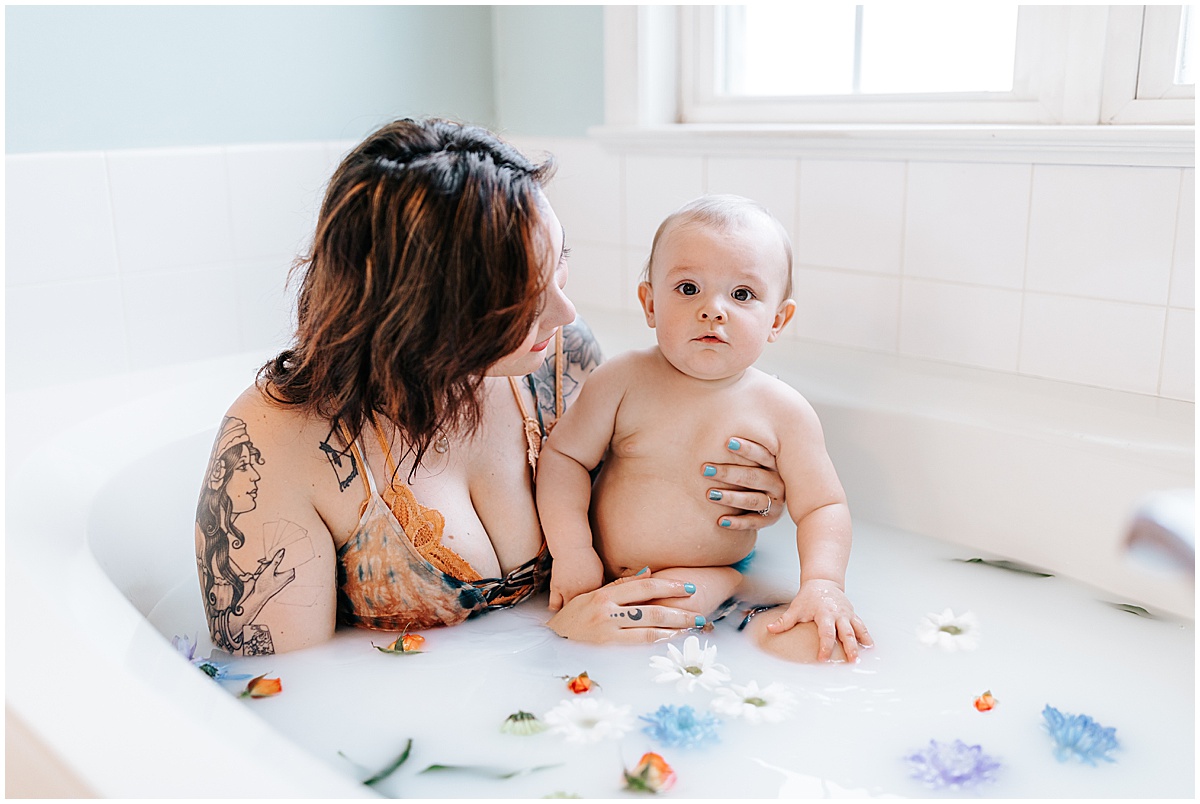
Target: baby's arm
x: 823, y: 536
x: 564, y: 486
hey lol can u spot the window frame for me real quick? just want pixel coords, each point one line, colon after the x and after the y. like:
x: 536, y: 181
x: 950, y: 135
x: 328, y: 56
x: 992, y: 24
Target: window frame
x: 644, y: 76
x: 1074, y: 65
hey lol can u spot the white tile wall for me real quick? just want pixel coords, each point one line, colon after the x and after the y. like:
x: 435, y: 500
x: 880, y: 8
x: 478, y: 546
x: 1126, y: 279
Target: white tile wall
x: 1183, y: 270
x: 58, y: 219
x: 967, y: 222
x: 1079, y: 273
x: 170, y: 208
x: 1091, y: 341
x: 977, y: 326
x: 274, y: 195
x: 655, y: 186
x: 851, y: 215
x: 1103, y: 232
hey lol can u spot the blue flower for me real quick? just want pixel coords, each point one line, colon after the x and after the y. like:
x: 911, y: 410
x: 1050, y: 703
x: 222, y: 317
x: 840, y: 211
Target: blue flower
x: 1079, y: 735
x: 952, y: 764
x: 682, y: 727
x: 214, y: 670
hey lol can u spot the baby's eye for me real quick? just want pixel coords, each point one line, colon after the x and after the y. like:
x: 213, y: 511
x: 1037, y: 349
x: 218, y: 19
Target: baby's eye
x: 743, y: 294
x: 687, y: 288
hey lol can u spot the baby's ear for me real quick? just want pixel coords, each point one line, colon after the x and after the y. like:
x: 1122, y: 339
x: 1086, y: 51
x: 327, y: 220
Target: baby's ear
x: 646, y: 297
x: 783, y: 315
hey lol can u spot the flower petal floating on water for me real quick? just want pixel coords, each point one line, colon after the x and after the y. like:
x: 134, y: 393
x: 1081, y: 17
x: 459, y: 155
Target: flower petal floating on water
x: 692, y: 667
x: 950, y: 631
x: 1079, y: 736
x: 652, y: 775
x: 955, y: 764
x: 522, y: 723
x: 769, y: 704
x: 681, y: 727
x: 262, y: 687
x: 986, y: 702
x: 588, y: 720
x: 580, y: 684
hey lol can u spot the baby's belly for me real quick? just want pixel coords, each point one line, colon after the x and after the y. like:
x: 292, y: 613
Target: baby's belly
x: 642, y: 519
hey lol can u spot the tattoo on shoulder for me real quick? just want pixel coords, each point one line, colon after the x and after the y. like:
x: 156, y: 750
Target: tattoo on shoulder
x: 341, y: 459
x: 234, y: 597
x: 581, y: 354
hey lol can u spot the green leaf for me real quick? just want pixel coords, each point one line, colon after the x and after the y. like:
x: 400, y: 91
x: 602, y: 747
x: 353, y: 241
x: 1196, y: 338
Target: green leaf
x: 489, y: 771
x: 1011, y: 566
x: 391, y: 768
x: 1132, y: 609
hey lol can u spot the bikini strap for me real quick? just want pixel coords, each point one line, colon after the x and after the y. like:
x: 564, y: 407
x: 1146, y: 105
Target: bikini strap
x: 384, y: 445
x: 533, y: 430
x: 558, y: 375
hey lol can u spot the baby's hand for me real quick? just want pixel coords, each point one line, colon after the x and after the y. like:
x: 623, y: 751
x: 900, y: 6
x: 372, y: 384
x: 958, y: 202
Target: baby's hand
x: 572, y: 574
x: 824, y: 603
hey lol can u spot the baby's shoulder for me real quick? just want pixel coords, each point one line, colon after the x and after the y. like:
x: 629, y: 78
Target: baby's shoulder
x: 780, y: 398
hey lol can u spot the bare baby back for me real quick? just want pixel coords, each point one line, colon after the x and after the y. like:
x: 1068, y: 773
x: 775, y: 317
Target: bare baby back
x: 649, y: 503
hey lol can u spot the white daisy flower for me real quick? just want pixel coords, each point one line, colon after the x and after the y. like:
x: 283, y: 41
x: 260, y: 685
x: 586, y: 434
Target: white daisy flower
x: 691, y: 668
x: 769, y: 704
x: 588, y: 720
x: 950, y: 631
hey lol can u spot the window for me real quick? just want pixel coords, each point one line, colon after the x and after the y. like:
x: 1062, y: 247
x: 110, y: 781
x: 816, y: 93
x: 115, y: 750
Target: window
x: 810, y: 49
x: 961, y: 63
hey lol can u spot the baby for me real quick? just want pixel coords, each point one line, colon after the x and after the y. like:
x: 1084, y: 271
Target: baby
x: 717, y: 290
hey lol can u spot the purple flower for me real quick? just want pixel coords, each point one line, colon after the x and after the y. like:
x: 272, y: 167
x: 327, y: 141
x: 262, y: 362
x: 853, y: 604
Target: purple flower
x: 952, y: 765
x: 681, y: 727
x: 1079, y: 735
x: 214, y: 670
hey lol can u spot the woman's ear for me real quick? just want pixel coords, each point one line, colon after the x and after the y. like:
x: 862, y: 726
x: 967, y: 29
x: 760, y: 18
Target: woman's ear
x: 646, y: 297
x: 783, y: 315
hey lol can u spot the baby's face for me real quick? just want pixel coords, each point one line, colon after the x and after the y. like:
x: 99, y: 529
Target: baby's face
x: 715, y: 297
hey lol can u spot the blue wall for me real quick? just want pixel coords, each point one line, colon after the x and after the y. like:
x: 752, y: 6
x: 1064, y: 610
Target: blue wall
x: 549, y: 63
x: 103, y: 77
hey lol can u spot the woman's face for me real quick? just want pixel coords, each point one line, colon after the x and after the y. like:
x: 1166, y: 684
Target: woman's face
x: 554, y: 308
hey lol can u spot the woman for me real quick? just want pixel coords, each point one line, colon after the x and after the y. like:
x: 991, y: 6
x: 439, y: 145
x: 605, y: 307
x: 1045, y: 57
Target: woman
x: 393, y: 447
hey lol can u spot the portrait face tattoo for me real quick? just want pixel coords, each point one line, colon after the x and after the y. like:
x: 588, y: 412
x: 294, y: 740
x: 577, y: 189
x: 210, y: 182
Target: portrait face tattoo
x: 234, y: 597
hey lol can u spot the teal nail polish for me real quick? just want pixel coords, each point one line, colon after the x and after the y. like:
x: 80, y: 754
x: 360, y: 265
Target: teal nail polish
x: 710, y: 471
x: 642, y: 571
x: 714, y: 495
x: 725, y: 523
x: 690, y: 588
x: 700, y: 621
x: 735, y: 444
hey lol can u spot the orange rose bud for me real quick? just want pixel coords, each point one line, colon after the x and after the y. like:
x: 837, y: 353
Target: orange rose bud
x: 262, y: 687
x: 580, y: 684
x: 411, y: 642
x: 985, y: 702
x: 652, y: 775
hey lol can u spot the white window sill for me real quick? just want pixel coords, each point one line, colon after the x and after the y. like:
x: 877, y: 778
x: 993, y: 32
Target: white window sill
x: 1140, y: 145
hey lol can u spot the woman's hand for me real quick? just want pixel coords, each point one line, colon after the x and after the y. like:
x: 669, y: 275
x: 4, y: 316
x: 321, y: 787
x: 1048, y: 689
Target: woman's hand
x: 619, y: 612
x: 756, y: 487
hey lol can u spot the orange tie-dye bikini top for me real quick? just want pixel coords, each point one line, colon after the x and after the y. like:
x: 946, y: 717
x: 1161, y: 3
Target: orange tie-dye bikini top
x: 394, y: 573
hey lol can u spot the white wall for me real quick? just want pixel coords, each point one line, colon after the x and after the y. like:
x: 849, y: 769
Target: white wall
x: 1080, y: 273
x: 136, y: 258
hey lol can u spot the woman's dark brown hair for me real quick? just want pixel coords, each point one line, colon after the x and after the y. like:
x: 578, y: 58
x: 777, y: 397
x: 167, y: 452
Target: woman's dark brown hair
x: 426, y: 269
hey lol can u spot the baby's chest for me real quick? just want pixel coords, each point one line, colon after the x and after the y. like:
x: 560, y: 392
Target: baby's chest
x: 649, y: 425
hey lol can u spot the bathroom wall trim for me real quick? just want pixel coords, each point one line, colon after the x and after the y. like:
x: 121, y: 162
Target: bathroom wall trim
x: 1142, y: 145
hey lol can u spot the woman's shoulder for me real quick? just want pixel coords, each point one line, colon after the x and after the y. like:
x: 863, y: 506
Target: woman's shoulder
x: 270, y: 420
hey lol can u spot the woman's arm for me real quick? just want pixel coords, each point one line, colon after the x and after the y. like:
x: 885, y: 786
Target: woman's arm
x: 264, y: 556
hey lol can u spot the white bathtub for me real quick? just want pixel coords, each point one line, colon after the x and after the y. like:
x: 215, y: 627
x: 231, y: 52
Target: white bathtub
x: 997, y: 466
